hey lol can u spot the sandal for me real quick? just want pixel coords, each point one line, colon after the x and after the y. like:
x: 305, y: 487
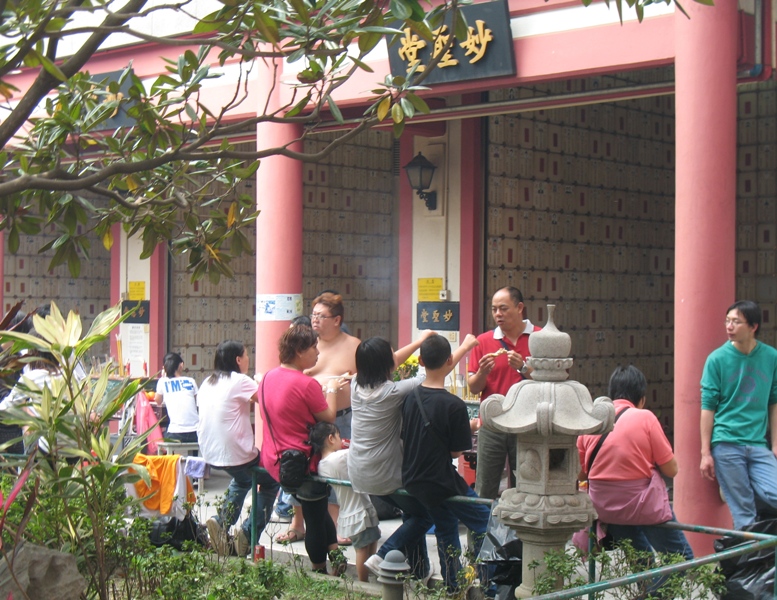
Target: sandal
x: 291, y: 536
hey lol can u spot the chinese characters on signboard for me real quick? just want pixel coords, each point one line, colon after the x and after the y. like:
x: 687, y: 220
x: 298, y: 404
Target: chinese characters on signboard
x: 141, y: 308
x: 486, y: 52
x: 438, y: 316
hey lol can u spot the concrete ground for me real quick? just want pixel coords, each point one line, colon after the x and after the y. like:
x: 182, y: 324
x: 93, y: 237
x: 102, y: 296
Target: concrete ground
x: 217, y: 484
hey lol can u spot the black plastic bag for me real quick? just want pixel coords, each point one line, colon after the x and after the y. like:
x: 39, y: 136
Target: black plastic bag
x: 503, y: 552
x: 384, y: 509
x: 175, y: 532
x: 750, y: 576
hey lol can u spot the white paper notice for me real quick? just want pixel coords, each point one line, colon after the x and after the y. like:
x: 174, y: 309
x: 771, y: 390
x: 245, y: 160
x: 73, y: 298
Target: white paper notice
x: 278, y: 307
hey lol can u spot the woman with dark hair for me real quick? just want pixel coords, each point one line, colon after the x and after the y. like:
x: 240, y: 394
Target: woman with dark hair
x: 227, y: 442
x: 291, y: 403
x: 375, y: 457
x: 179, y: 394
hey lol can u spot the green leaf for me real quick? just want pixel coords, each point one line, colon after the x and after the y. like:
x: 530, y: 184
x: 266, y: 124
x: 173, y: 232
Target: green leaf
x: 362, y: 65
x: 210, y: 23
x: 418, y: 103
x: 338, y: 116
x: 13, y: 240
x: 407, y: 108
x: 401, y: 9
x: 299, y: 106
x: 73, y: 262
x: 301, y: 8
x: 52, y: 69
x: 368, y: 41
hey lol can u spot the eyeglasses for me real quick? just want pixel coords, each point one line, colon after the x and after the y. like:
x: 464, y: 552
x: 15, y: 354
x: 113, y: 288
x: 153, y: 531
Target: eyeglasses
x: 319, y: 316
x: 734, y: 322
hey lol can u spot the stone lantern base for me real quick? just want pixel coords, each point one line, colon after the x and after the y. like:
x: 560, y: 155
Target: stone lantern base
x: 543, y: 523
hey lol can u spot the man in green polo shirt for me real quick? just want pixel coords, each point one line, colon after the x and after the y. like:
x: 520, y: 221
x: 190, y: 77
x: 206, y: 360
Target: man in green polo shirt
x: 738, y: 401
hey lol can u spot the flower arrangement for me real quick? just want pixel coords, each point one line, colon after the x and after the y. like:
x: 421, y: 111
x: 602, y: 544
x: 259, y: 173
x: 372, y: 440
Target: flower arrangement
x: 407, y: 369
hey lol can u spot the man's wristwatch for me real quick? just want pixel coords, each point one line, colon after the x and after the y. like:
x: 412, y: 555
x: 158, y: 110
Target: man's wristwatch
x: 522, y: 370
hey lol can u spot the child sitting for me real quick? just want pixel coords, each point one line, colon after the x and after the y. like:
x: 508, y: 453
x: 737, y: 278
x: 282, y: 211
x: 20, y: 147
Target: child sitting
x: 358, y: 518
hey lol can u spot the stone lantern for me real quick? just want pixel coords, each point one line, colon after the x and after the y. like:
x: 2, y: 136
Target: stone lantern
x: 547, y: 412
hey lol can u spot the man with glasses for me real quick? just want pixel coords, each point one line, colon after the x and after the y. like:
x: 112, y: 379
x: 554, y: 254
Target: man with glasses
x: 336, y: 357
x: 337, y: 353
x: 738, y: 400
x: 495, y: 365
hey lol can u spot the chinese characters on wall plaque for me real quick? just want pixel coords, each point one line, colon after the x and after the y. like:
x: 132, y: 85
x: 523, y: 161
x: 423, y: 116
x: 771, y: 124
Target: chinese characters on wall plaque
x: 486, y: 52
x: 439, y: 316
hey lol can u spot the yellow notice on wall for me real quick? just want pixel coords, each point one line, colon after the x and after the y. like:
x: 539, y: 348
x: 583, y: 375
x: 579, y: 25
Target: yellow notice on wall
x: 136, y: 290
x: 429, y: 289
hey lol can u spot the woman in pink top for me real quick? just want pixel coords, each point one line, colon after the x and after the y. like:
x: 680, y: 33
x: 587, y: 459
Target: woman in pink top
x: 626, y: 460
x: 291, y: 403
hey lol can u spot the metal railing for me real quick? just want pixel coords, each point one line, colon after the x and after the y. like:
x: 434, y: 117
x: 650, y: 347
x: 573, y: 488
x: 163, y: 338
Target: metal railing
x: 400, y: 492
x: 753, y: 543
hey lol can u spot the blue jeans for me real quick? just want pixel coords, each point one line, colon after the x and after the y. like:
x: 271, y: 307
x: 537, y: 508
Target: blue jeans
x: 235, y: 496
x: 648, y: 538
x: 446, y: 519
x: 745, y: 473
x: 410, y: 537
x: 283, y: 507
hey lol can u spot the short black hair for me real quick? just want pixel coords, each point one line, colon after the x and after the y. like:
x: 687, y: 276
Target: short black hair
x: 515, y: 294
x: 750, y: 311
x: 318, y: 434
x: 374, y: 362
x: 225, y: 360
x: 301, y: 320
x: 171, y: 363
x: 627, y: 383
x: 435, y: 350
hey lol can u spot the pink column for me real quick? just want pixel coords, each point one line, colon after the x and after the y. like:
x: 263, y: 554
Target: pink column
x: 278, y: 235
x: 706, y: 121
x: 158, y: 294
x: 2, y: 272
x: 471, y: 258
x: 115, y: 280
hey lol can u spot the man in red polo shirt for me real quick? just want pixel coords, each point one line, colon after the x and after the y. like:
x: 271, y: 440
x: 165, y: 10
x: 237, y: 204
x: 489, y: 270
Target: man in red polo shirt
x: 495, y: 365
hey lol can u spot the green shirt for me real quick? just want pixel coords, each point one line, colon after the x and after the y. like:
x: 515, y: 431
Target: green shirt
x: 739, y: 388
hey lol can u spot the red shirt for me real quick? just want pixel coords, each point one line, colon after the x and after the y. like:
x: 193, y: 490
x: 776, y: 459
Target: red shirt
x: 502, y: 377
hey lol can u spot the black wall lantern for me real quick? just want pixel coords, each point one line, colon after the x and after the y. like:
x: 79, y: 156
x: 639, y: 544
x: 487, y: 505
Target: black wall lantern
x: 420, y: 172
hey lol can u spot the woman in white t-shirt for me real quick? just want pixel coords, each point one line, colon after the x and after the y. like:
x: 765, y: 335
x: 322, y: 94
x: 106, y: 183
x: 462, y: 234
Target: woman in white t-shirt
x: 227, y: 442
x: 179, y: 394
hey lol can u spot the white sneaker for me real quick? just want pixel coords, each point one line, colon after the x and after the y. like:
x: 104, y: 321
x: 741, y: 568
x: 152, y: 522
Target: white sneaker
x: 242, y: 544
x: 373, y: 564
x: 218, y: 537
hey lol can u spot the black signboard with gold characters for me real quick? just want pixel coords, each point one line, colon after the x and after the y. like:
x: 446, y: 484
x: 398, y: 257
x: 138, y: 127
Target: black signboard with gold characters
x: 142, y: 313
x: 487, y: 52
x: 438, y: 316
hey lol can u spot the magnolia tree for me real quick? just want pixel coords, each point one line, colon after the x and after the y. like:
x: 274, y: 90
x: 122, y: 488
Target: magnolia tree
x: 168, y: 172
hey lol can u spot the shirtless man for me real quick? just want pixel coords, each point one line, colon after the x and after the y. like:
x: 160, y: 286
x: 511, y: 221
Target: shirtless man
x: 336, y: 356
x: 336, y: 353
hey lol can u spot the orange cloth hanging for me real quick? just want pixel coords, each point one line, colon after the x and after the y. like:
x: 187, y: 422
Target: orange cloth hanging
x: 163, y: 471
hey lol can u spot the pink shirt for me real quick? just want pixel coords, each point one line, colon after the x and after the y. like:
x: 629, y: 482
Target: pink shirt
x: 635, y: 444
x: 291, y: 398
